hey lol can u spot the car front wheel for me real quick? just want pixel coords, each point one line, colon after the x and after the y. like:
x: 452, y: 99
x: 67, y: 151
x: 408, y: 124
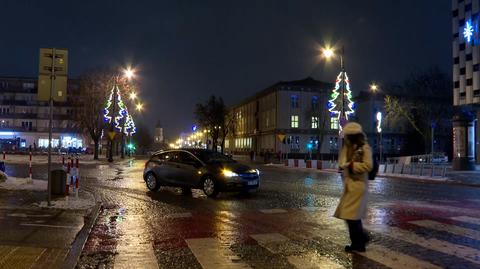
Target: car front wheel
x: 153, y: 183
x: 209, y: 187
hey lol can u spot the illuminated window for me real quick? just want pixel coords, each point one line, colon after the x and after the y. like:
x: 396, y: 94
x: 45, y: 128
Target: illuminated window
x: 314, y: 122
x: 334, y: 123
x: 294, y: 121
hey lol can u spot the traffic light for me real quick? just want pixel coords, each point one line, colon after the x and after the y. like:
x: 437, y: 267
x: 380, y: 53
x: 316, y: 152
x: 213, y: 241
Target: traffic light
x: 309, y: 146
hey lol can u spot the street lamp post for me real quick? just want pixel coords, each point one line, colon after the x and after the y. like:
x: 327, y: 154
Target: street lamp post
x: 128, y: 74
x: 112, y: 120
x: 342, y: 117
x: 379, y: 130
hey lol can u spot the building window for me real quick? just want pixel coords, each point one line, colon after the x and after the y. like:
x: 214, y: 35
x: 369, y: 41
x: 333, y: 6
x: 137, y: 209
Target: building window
x: 314, y: 122
x: 456, y: 60
x: 455, y: 13
x: 455, y: 35
x: 457, y: 84
x: 461, y: 22
x: 462, y: 71
x: 468, y: 7
x: 461, y: 47
x: 476, y: 93
x: 469, y: 82
x: 294, y: 121
x: 476, y: 67
x: 462, y: 94
x: 468, y: 57
x: 28, y: 85
x: 334, y: 123
x: 314, y: 102
x: 294, y: 101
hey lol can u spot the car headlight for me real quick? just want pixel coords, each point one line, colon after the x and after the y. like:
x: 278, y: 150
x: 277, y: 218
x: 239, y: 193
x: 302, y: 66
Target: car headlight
x: 229, y: 173
x: 258, y: 171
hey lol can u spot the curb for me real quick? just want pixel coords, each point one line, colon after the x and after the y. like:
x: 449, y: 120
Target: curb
x: 76, y: 248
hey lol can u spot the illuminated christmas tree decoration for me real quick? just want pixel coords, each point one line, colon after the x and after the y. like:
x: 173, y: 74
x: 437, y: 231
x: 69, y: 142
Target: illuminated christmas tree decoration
x: 468, y: 31
x: 109, y: 110
x: 335, y: 103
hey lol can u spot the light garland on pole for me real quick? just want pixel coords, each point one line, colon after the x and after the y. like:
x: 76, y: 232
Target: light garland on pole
x: 335, y: 105
x: 122, y: 111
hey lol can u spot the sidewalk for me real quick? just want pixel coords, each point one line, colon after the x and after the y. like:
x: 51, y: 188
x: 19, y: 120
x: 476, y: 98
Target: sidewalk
x: 467, y: 178
x: 37, y: 236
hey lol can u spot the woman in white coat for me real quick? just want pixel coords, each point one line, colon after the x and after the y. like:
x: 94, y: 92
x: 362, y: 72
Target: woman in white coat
x: 356, y: 161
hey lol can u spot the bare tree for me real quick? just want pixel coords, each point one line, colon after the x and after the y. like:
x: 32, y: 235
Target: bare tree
x: 94, y: 87
x: 423, y: 100
x: 211, y: 115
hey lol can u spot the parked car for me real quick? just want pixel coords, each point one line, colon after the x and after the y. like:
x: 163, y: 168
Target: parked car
x: 207, y: 170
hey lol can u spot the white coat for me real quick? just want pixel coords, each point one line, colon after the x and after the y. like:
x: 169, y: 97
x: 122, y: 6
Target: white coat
x: 353, y: 203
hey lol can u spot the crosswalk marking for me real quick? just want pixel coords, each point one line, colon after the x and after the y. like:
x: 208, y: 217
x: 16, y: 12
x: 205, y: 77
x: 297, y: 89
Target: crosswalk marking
x: 395, y: 259
x: 212, y: 254
x: 463, y: 252
x: 275, y: 243
x: 273, y: 211
x: 424, y: 205
x: 467, y: 219
x: 134, y: 250
x: 434, y: 225
x: 378, y: 253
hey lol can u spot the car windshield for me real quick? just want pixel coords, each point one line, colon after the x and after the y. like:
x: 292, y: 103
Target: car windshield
x: 214, y: 157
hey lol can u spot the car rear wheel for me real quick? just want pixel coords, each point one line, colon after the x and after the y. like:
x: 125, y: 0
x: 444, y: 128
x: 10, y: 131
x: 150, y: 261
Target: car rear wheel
x: 152, y: 181
x: 209, y: 187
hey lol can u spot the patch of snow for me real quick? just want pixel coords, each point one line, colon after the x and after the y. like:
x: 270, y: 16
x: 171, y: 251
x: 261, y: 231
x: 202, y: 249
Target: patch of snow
x: 15, y: 183
x: 43, y: 159
x: 84, y: 201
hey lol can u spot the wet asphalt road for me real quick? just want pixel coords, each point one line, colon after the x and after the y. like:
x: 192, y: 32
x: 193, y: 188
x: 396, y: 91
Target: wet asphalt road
x: 286, y: 224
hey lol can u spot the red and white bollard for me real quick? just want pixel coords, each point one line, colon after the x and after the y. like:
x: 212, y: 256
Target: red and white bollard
x: 30, y: 180
x: 67, y: 186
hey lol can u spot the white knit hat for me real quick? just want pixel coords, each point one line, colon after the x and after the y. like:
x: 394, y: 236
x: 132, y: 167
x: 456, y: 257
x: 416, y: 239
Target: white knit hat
x: 352, y: 128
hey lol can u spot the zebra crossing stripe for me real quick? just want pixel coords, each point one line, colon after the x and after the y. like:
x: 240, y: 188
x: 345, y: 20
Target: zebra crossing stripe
x: 442, y: 227
x: 423, y: 205
x: 379, y: 253
x: 467, y: 219
x: 462, y: 252
x: 307, y: 259
x: 212, y: 254
x: 395, y: 259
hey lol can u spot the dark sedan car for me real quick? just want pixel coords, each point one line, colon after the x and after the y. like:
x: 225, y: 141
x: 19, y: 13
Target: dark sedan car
x: 203, y: 169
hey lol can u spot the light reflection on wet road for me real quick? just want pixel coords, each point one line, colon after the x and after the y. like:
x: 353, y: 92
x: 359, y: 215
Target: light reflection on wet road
x: 292, y: 210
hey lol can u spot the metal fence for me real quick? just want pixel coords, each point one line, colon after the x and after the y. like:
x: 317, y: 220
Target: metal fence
x: 417, y: 169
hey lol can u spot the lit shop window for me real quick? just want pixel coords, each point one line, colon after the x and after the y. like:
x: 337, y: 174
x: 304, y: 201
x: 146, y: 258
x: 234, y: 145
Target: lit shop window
x: 43, y: 143
x: 71, y: 142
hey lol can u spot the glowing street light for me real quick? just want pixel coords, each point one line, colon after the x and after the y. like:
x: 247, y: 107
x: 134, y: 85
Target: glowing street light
x: 327, y: 52
x: 129, y: 72
x: 133, y: 95
x: 139, y: 107
x: 374, y: 87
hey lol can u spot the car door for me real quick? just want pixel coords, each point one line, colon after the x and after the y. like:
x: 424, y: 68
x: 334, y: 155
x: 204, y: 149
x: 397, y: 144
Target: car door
x: 189, y: 166
x: 163, y: 168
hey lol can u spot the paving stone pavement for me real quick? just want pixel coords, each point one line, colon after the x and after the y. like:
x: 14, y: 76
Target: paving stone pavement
x: 288, y: 224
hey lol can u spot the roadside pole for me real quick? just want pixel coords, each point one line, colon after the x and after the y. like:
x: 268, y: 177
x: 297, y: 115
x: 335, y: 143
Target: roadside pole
x: 50, y: 119
x: 52, y: 86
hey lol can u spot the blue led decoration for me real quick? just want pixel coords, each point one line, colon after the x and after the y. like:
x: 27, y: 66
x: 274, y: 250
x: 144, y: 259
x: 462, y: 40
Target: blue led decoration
x: 468, y: 32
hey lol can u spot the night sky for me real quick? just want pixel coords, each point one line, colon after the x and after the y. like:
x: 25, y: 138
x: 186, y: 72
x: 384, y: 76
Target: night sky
x: 188, y: 50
